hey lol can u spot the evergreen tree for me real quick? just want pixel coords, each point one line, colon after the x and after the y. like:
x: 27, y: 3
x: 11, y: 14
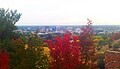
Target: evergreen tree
x: 8, y: 19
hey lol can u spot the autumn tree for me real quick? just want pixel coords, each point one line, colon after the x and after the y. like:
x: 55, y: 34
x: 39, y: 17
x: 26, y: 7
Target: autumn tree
x: 65, y: 52
x: 115, y: 36
x: 87, y: 46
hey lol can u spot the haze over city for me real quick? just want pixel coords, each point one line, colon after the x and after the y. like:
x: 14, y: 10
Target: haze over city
x: 65, y: 12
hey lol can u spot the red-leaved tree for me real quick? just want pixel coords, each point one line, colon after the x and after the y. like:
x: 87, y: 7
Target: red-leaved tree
x: 65, y: 52
x: 87, y: 46
x: 115, y: 36
x: 4, y: 60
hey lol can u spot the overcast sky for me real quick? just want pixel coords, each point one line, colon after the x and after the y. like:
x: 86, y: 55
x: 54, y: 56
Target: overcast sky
x: 68, y: 12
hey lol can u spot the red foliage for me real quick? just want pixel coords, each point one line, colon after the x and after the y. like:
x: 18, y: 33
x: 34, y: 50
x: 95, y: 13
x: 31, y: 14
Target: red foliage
x: 86, y: 35
x: 4, y: 60
x: 87, y: 48
x: 115, y: 36
x: 65, y: 52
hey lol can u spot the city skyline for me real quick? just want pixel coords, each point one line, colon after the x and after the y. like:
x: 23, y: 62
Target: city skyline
x: 65, y: 12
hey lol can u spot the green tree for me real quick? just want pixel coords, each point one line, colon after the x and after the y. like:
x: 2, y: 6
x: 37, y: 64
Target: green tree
x: 36, y: 44
x: 31, y: 57
x: 8, y: 19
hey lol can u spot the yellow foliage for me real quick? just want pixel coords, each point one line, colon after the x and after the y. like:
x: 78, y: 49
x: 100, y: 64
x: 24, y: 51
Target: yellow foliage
x: 77, y: 40
x: 46, y: 51
x: 96, y: 40
x: 26, y: 46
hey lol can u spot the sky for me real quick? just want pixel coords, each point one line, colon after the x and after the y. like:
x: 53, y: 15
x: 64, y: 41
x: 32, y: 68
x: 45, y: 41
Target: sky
x: 65, y: 12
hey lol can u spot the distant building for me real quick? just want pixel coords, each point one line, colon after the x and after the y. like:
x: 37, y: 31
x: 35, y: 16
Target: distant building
x: 69, y: 29
x: 78, y: 30
x: 99, y: 30
x: 19, y: 31
x: 53, y: 28
x: 57, y: 28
